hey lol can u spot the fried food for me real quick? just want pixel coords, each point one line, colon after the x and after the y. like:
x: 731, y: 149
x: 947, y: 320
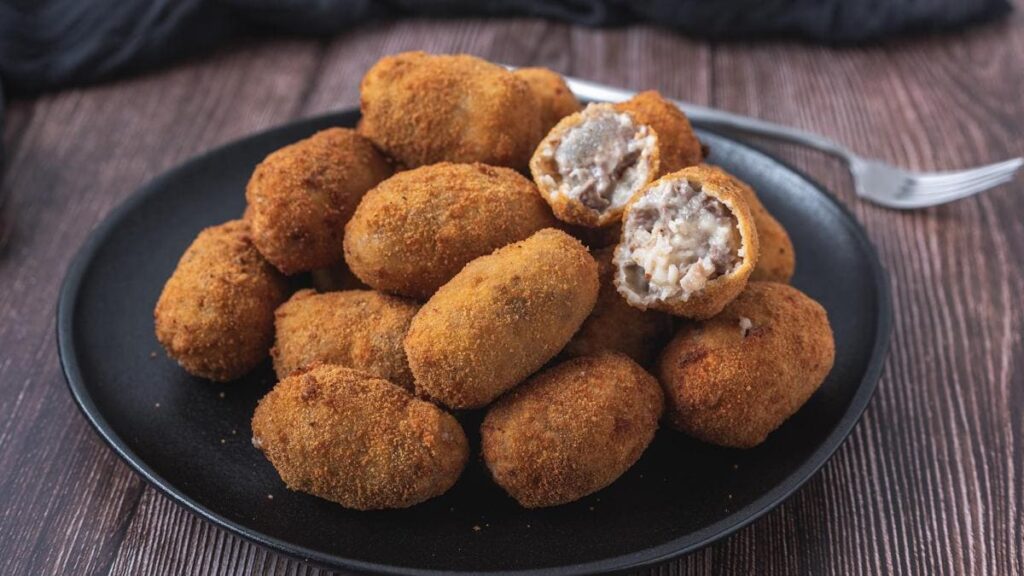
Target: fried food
x: 688, y: 244
x: 301, y: 196
x: 591, y: 163
x: 678, y: 146
x: 358, y: 440
x: 735, y: 378
x: 417, y: 229
x: 571, y: 430
x: 215, y: 315
x: 500, y: 319
x: 554, y: 98
x: 615, y: 326
x: 422, y: 109
x: 360, y: 329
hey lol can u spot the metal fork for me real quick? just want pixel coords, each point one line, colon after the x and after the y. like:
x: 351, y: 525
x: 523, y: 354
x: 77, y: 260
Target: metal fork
x: 873, y: 180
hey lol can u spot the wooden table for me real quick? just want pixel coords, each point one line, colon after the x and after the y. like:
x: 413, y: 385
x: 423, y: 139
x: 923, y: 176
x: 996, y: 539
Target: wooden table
x: 931, y: 480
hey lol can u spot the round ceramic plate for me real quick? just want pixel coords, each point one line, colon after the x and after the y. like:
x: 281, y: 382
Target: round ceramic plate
x: 191, y: 438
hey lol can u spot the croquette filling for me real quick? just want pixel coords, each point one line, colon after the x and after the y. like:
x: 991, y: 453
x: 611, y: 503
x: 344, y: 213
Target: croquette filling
x: 677, y: 239
x: 602, y: 160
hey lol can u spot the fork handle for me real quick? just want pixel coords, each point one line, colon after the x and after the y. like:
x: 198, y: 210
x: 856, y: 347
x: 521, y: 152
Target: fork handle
x: 705, y: 117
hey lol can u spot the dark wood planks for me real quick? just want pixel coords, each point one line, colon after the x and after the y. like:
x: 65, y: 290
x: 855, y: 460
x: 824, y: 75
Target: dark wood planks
x: 930, y: 482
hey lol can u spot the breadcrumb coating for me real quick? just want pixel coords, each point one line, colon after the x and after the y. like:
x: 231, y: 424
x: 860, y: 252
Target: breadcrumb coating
x: 301, y: 196
x: 215, y: 315
x: 500, y: 319
x: 422, y: 109
x: 360, y: 329
x: 735, y: 378
x: 571, y: 430
x: 417, y: 229
x: 358, y: 440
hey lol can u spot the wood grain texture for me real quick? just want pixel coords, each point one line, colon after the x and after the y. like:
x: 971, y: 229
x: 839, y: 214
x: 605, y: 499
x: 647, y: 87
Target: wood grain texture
x: 931, y: 481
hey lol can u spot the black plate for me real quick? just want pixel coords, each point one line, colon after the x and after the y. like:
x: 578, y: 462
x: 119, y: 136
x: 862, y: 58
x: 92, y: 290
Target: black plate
x: 190, y: 438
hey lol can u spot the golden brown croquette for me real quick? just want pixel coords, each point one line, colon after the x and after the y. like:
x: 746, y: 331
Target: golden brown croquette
x: 615, y: 326
x: 571, y: 430
x: 735, y: 378
x: 360, y: 329
x: 417, y: 229
x: 301, y: 196
x: 678, y: 146
x: 358, y: 440
x: 688, y: 244
x: 500, y: 319
x: 592, y: 162
x: 422, y: 109
x: 554, y: 99
x: 215, y: 315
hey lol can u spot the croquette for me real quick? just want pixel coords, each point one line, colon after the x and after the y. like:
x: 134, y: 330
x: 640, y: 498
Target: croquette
x: 357, y: 440
x: 571, y: 430
x: 592, y: 162
x: 500, y: 319
x: 554, y: 99
x: 360, y: 329
x: 735, y: 378
x: 215, y: 316
x: 417, y: 229
x: 301, y: 196
x: 422, y: 109
x: 615, y: 326
x: 678, y: 146
x: 688, y: 244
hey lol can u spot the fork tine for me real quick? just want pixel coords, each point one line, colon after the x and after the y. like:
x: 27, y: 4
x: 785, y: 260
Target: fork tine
x: 920, y: 200
x: 942, y: 188
x: 1004, y: 167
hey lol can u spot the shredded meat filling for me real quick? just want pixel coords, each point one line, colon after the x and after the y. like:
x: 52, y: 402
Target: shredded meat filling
x: 602, y: 160
x: 678, y: 238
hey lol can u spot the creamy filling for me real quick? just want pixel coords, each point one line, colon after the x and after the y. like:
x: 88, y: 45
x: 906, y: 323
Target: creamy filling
x: 677, y: 238
x: 602, y: 160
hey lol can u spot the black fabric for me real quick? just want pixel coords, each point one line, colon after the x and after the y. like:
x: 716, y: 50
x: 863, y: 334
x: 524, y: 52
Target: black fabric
x: 46, y: 44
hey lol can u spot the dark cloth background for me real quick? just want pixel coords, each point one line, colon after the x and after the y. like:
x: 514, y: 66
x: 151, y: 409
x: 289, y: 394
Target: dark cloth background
x: 49, y: 44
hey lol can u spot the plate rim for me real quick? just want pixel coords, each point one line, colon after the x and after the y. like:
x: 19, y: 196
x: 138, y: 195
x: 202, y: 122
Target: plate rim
x: 739, y: 518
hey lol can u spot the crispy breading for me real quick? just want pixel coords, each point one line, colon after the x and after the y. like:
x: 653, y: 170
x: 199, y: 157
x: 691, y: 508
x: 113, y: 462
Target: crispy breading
x: 735, y: 378
x: 615, y: 326
x: 554, y: 99
x: 422, y: 109
x: 301, y: 196
x: 500, y: 319
x: 719, y: 290
x: 358, y: 440
x: 572, y: 429
x: 417, y: 229
x: 678, y: 146
x: 360, y: 329
x: 215, y: 315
